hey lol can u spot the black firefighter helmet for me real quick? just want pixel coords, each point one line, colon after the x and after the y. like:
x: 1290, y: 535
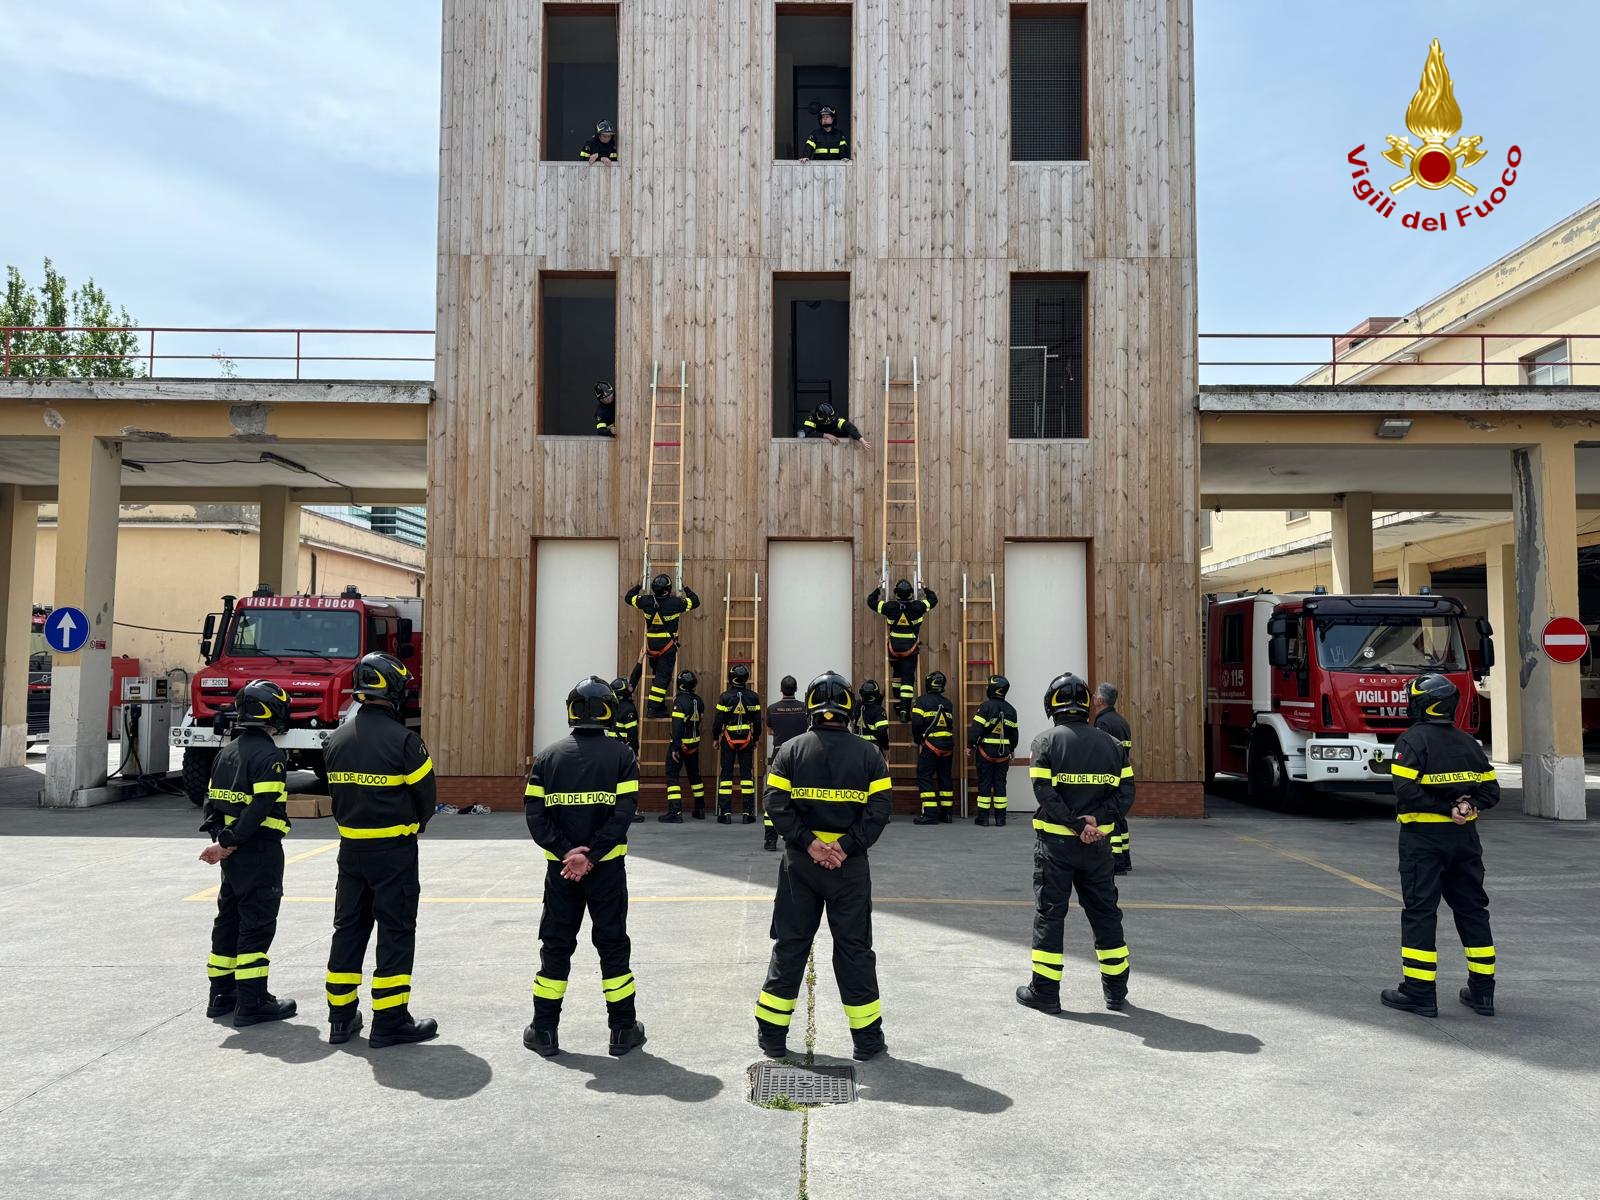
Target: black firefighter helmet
x: 262, y: 703
x: 1432, y: 698
x: 739, y: 675
x: 589, y: 703
x: 621, y: 688
x: 903, y: 590
x: 381, y: 679
x: 1067, y: 696
x: 936, y: 682
x: 829, y: 699
x: 687, y: 680
x: 999, y: 685
x: 871, y: 693
x: 660, y: 586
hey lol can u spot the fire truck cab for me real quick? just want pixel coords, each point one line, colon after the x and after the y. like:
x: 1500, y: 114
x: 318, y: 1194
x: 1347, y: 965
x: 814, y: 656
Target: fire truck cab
x: 1309, y: 691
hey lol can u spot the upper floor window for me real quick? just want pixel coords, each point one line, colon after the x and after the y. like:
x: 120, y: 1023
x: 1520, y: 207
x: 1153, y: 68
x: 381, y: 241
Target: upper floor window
x: 580, y: 84
x: 1047, y: 82
x: 811, y: 119
x: 1047, y: 327
x: 1550, y: 367
x: 577, y: 353
x: 810, y: 349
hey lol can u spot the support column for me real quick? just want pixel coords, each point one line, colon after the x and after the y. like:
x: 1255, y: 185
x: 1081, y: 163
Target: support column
x: 279, y: 548
x: 1352, y: 544
x: 90, y: 486
x: 1544, y: 520
x: 1414, y: 574
x: 1505, y: 697
x: 19, y: 524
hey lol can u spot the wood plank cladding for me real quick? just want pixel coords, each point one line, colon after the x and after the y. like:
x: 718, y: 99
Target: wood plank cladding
x: 930, y: 221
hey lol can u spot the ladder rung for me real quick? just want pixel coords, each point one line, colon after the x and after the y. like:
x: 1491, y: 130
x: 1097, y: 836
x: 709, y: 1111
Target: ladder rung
x: 902, y: 441
x: 901, y: 382
x: 668, y: 387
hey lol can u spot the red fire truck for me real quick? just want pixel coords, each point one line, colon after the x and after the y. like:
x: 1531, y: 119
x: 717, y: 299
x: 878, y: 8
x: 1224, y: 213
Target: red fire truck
x: 309, y: 646
x: 1309, y: 691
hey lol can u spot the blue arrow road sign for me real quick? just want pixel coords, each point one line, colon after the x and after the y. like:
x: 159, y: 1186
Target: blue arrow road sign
x: 66, y: 630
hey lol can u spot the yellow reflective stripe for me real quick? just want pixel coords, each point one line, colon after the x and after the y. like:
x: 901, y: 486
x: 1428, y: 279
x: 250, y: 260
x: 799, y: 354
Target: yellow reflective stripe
x: 1418, y: 973
x: 534, y: 790
x: 618, y: 988
x: 1426, y: 818
x: 421, y: 772
x: 1480, y: 968
x: 262, y: 789
x: 1420, y: 955
x: 386, y: 832
x: 220, y: 960
x: 1072, y: 777
x: 1038, y: 772
x: 1114, y: 952
x: 395, y: 1001
x: 388, y: 981
x: 345, y: 977
x: 578, y: 799
x: 336, y: 999
x: 861, y: 1015
x: 1058, y: 830
x: 1479, y: 951
x: 255, y: 956
x: 779, y: 782
x: 830, y: 795
x: 1047, y: 972
x: 879, y: 785
x: 1402, y: 771
x: 549, y: 989
x: 1127, y: 772
x: 362, y: 779
x: 252, y: 972
x: 822, y: 835
x: 1119, y: 968
x: 627, y: 786
x: 616, y: 851
x: 1045, y: 956
x: 1458, y: 777
x: 777, y: 1003
x: 773, y: 1018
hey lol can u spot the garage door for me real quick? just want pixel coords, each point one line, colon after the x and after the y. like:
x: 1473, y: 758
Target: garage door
x: 576, y: 593
x: 1047, y: 625
x: 811, y: 614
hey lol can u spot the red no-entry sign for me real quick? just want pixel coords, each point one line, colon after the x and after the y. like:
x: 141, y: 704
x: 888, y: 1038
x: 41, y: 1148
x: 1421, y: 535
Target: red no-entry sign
x: 1565, y: 640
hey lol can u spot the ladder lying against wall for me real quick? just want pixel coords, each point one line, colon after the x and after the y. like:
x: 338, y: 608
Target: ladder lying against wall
x: 980, y: 658
x: 902, y: 538
x: 741, y: 644
x: 663, y: 540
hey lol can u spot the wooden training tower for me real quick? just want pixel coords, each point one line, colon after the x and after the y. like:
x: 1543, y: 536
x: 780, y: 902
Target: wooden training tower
x: 980, y: 658
x: 902, y: 534
x: 663, y: 536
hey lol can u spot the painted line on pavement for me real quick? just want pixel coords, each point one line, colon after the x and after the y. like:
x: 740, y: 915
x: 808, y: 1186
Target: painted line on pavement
x: 1322, y: 866
x: 210, y: 893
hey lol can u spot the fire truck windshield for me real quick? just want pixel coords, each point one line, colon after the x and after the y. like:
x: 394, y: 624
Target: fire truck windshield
x: 1397, y: 645
x: 291, y: 632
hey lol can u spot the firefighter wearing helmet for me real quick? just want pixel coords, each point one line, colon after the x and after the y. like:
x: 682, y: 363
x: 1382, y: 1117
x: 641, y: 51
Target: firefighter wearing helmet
x: 993, y: 740
x: 247, y: 821
x: 872, y: 719
x: 683, y: 752
x: 827, y: 142
x: 828, y: 796
x: 933, y: 732
x: 625, y: 715
x: 605, y: 409
x: 580, y: 801
x: 1077, y: 780
x: 1442, y: 781
x: 602, y: 147
x: 662, y: 612
x: 786, y: 720
x: 904, y: 612
x: 1108, y: 720
x: 825, y: 422
x: 383, y: 788
x: 736, y: 728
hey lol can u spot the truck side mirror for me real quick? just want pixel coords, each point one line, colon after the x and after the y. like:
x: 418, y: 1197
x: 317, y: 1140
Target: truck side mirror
x: 206, y: 634
x: 1278, y: 652
x: 405, y: 649
x: 1485, y: 644
x: 403, y: 628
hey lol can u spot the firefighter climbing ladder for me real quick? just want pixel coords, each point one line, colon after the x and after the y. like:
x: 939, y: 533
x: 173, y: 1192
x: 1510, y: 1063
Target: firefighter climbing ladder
x: 663, y: 532
x: 980, y: 658
x: 902, y: 528
x: 741, y: 641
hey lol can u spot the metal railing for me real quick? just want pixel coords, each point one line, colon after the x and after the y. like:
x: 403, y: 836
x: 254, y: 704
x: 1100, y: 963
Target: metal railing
x: 1350, y: 354
x: 62, y: 347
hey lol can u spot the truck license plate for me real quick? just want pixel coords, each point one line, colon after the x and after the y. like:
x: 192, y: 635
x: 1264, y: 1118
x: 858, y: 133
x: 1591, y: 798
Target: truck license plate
x: 213, y: 683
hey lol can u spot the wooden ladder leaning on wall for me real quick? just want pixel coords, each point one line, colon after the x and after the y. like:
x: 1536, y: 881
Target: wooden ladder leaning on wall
x: 980, y: 658
x: 663, y: 539
x: 902, y: 537
x: 741, y: 644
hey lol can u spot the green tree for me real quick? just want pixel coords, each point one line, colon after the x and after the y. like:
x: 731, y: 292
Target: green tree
x: 105, y: 352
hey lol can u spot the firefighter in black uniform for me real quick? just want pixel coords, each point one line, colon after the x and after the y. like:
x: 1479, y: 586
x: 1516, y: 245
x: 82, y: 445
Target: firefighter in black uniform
x: 736, y: 728
x: 662, y: 612
x: 605, y: 409
x: 827, y: 142
x: 244, y: 814
x: 1077, y: 778
x: 827, y: 424
x: 828, y: 795
x: 872, y: 720
x: 625, y: 716
x: 933, y: 730
x: 1108, y: 720
x: 602, y: 147
x: 1442, y: 781
x: 786, y: 720
x: 683, y: 752
x: 993, y: 739
x: 905, y: 614
x: 580, y: 800
x: 383, y: 790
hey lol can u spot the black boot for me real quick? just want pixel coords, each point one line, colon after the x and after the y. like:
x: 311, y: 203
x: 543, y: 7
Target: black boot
x: 1123, y: 865
x: 542, y: 1042
x: 1411, y: 1002
x: 1000, y: 818
x: 748, y: 819
x: 868, y: 1043
x: 1478, y: 1000
x: 1045, y: 1003
x: 1115, y: 997
x: 947, y: 816
x: 268, y: 1008
x: 770, y: 842
x: 773, y: 1039
x: 673, y: 816
x: 983, y: 818
x: 627, y: 1038
x: 412, y: 1031
x: 638, y: 818
x: 724, y: 818
x: 221, y: 1003
x: 699, y: 813
x: 926, y: 818
x: 340, y: 1032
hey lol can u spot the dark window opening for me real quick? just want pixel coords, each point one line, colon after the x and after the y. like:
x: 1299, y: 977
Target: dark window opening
x: 1047, y: 83
x: 1047, y: 329
x: 810, y: 348
x: 813, y: 68
x: 578, y: 329
x: 580, y: 68
x: 1233, y: 639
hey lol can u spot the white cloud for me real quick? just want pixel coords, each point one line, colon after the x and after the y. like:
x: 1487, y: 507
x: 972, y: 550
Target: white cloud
x: 358, y: 79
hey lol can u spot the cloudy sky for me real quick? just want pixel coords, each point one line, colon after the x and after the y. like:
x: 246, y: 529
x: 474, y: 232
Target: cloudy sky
x: 253, y: 164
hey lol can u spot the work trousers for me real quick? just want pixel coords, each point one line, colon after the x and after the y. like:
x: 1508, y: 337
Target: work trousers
x: 378, y: 884
x: 1443, y: 861
x: 805, y: 892
x: 604, y: 893
x: 1121, y: 843
x: 661, y: 671
x: 247, y: 917
x: 1061, y: 864
x: 904, y: 684
x: 935, y: 782
x: 991, y: 784
x: 736, y: 767
x: 683, y: 760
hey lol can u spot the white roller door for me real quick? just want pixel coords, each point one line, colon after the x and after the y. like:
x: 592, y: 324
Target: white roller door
x: 1046, y: 628
x: 577, y: 591
x: 810, y: 613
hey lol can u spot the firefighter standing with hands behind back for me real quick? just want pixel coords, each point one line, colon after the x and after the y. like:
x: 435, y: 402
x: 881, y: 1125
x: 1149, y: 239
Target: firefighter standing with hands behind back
x: 245, y: 817
x: 1442, y: 781
x: 662, y: 612
x: 993, y: 739
x: 736, y: 729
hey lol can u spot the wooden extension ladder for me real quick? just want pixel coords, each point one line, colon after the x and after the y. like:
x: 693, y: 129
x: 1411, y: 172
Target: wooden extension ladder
x: 663, y: 536
x: 980, y: 658
x: 741, y: 643
x: 902, y: 534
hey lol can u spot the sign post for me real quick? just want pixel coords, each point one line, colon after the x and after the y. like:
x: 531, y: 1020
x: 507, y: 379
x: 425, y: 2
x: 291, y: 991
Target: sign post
x: 1565, y: 640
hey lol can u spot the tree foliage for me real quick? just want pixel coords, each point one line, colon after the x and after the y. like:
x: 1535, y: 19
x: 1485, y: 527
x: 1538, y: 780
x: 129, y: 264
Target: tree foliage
x: 103, y: 347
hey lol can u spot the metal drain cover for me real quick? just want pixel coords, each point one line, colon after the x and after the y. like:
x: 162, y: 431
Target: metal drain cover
x: 774, y: 1082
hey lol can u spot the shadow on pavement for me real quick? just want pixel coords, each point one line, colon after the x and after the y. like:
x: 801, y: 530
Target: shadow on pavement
x: 1161, y: 1032
x: 889, y: 1079
x: 640, y: 1074
x: 433, y: 1070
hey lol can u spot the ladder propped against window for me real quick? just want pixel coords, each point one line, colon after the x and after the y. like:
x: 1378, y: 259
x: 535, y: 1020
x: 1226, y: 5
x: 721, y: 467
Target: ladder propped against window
x: 741, y: 644
x: 980, y: 658
x: 902, y: 535
x: 663, y: 533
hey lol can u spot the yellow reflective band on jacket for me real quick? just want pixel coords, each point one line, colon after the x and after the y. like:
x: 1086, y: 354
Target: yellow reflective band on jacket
x: 1127, y: 772
x: 831, y: 795
x: 1058, y: 830
x: 860, y: 1016
x: 278, y: 786
x: 627, y: 786
x: 226, y: 796
x: 1403, y: 771
x: 1427, y: 818
x: 578, y: 799
x: 616, y: 851
x: 823, y: 835
x: 1038, y: 772
x: 1457, y: 777
x: 388, y: 831
x: 779, y: 782
x: 277, y: 823
x: 1069, y: 777
x: 361, y: 779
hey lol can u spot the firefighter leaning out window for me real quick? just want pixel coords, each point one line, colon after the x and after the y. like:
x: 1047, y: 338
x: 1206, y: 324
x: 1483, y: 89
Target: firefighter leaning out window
x: 602, y: 147
x: 827, y: 142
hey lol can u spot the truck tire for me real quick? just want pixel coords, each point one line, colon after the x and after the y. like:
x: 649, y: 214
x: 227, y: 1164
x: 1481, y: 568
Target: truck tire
x: 1268, y: 773
x: 317, y: 763
x: 197, y: 774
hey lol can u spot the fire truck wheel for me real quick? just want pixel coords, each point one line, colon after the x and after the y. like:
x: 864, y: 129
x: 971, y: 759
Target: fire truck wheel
x: 1268, y: 773
x: 197, y: 774
x: 317, y: 764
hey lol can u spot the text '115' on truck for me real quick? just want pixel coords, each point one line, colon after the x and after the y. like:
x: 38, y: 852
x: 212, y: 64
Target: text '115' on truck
x: 1309, y: 691
x: 307, y: 645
